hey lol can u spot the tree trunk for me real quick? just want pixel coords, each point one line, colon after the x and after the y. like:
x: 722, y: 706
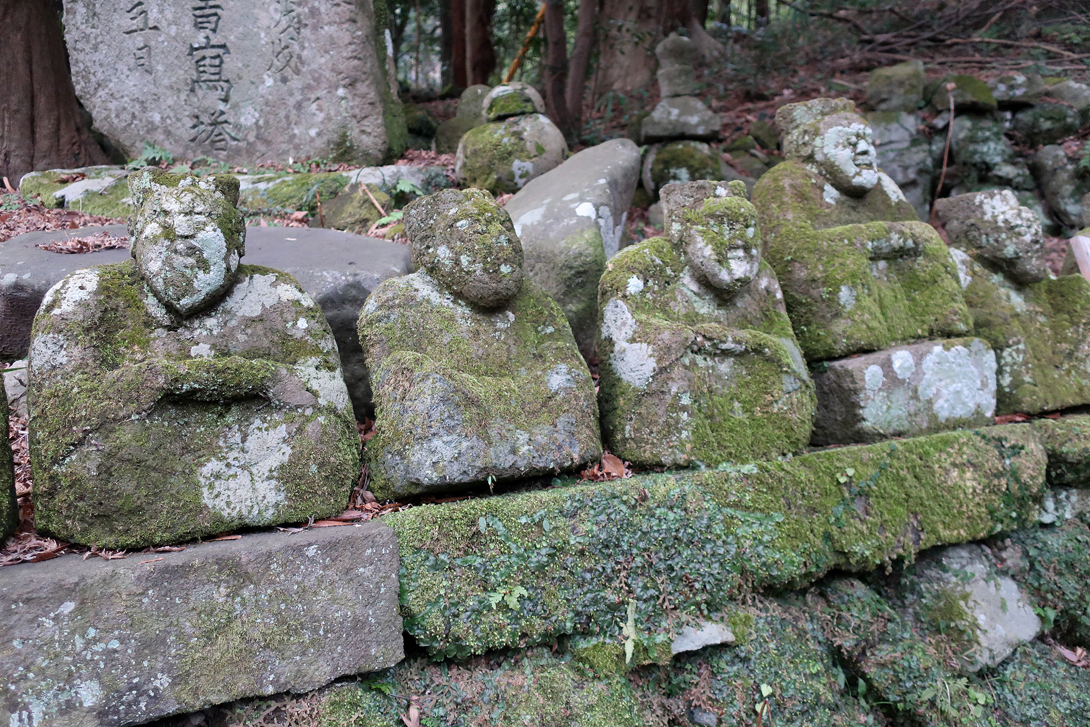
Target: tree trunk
x: 760, y: 10
x: 556, y: 69
x: 700, y: 10
x: 627, y: 57
x: 446, y: 46
x: 480, y: 55
x: 580, y: 59
x: 458, y: 40
x: 39, y: 116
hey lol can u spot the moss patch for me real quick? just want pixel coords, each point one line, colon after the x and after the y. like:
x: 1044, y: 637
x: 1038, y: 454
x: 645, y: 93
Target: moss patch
x: 277, y: 193
x: 9, y: 509
x: 1067, y: 441
x: 1057, y: 576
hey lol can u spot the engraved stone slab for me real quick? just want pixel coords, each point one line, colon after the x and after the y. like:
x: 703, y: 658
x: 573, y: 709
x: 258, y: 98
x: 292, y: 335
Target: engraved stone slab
x: 905, y: 391
x: 242, y: 81
x: 111, y: 642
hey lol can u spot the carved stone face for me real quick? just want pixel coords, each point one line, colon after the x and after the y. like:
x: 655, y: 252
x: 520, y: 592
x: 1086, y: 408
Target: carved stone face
x: 844, y: 153
x: 187, y: 245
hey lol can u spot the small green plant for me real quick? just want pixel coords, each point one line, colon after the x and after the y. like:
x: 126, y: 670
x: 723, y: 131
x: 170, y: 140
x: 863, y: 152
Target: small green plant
x: 510, y: 597
x: 1047, y: 616
x: 406, y: 186
x: 949, y: 694
x: 152, y: 156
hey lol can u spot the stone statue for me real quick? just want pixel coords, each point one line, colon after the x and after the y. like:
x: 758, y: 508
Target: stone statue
x: 698, y: 362
x: 859, y: 271
x: 182, y: 394
x: 475, y: 372
x: 1038, y: 324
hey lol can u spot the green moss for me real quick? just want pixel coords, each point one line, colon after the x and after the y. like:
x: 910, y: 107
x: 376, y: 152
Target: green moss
x: 684, y: 161
x: 291, y: 192
x: 488, y: 153
x: 1067, y: 441
x: 509, y: 104
x: 353, y: 211
x: 970, y: 94
x: 1057, y: 576
x: 9, y: 509
x: 840, y: 300
x: 1037, y: 686
x: 684, y: 545
x: 41, y: 186
x: 450, y: 133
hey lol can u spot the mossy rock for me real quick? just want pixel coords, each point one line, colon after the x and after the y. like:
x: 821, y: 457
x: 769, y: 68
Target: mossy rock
x: 450, y: 132
x: 1037, y: 686
x: 102, y: 191
x: 765, y: 134
x: 1047, y: 123
x: 1067, y: 441
x: 680, y: 161
x: 970, y: 95
x: 9, y: 509
x: 716, y: 534
x: 419, y: 120
x: 511, y: 99
x: 532, y: 687
x: 273, y: 193
x: 896, y: 88
x: 353, y: 211
x: 858, y: 274
x: 1038, y: 332
x: 1056, y: 575
x: 503, y: 156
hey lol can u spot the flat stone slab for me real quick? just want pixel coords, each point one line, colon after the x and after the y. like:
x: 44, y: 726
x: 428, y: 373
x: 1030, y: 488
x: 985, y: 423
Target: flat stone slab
x: 338, y: 269
x: 905, y: 391
x: 111, y: 642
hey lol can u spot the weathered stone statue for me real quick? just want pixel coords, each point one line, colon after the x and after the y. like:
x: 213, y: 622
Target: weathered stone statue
x: 859, y: 271
x: 181, y: 394
x: 475, y: 372
x: 697, y: 359
x: 1037, y: 323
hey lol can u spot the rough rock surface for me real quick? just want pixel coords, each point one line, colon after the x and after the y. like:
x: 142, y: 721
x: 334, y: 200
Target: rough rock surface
x: 970, y: 95
x: 905, y: 391
x: 982, y: 153
x: 224, y: 81
x: 15, y: 379
x: 503, y: 156
x: 1016, y: 90
x: 697, y: 360
x: 1067, y: 441
x: 1060, y: 184
x: 337, y: 269
x: 859, y: 271
x: 1047, y: 123
x: 996, y: 231
x: 680, y: 117
x: 904, y: 155
x: 124, y: 357
x: 962, y: 586
x: 896, y: 88
x: 679, y: 162
x: 510, y: 99
x: 676, y: 75
x: 9, y: 510
x: 475, y: 371
x: 469, y: 116
x: 570, y: 221
x: 103, y: 643
x: 1038, y: 333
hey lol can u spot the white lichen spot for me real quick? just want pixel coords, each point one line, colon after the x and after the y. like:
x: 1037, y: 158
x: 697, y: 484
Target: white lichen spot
x: 585, y: 209
x: 961, y: 261
x: 829, y: 194
x: 632, y: 362
x: 847, y: 297
x: 74, y: 290
x: 301, y: 324
x: 959, y: 382
x: 328, y: 386
x: 874, y: 377
x: 560, y: 379
x: 201, y: 350
x: 891, y: 189
x: 242, y: 484
x: 903, y: 364
x: 635, y: 285
x: 48, y: 351
x: 521, y: 172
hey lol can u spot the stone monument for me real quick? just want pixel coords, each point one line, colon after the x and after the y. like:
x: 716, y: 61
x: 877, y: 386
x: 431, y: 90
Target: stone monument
x: 182, y: 394
x: 1037, y: 323
x: 515, y: 143
x: 475, y: 373
x: 698, y: 362
x: 240, y: 82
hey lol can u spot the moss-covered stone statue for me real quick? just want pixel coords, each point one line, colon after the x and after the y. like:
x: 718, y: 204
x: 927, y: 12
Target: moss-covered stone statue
x: 859, y: 271
x: 698, y: 363
x: 9, y: 508
x: 475, y: 372
x: 1038, y: 324
x: 182, y: 394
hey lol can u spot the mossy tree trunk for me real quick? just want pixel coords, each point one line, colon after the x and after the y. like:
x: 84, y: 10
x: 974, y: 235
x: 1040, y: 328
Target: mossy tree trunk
x: 556, y: 70
x: 40, y: 125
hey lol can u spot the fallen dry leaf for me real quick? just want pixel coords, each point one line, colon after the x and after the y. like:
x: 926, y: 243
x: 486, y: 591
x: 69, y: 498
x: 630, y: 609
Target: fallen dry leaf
x: 87, y: 243
x: 1077, y: 657
x: 610, y: 468
x: 1011, y: 418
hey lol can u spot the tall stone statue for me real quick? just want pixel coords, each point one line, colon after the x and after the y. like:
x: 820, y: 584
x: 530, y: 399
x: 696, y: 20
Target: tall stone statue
x: 698, y: 362
x: 859, y: 271
x: 182, y: 394
x: 475, y: 372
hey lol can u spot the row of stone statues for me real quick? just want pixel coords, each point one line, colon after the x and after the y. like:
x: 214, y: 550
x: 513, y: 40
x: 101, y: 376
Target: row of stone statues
x: 183, y: 394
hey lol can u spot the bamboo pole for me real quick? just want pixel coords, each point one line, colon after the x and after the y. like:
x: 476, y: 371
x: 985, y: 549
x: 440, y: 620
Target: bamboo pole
x: 525, y: 44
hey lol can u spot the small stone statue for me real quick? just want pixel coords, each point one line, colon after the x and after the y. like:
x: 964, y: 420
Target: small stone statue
x: 182, y: 394
x: 1037, y: 323
x: 859, y: 271
x: 698, y: 362
x: 475, y: 372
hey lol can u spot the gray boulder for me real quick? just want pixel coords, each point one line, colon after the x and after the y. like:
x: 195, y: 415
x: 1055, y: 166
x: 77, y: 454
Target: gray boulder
x: 896, y: 88
x: 684, y: 161
x: 1060, y: 184
x: 1046, y: 123
x: 983, y: 154
x: 706, y: 633
x: 242, y: 82
x: 471, y: 102
x: 469, y: 116
x: 961, y: 586
x: 1015, y: 90
x: 511, y: 99
x: 1070, y: 92
x: 570, y: 221
x: 104, y: 643
x: 905, y: 391
x: 337, y: 269
x: 998, y: 232
x: 15, y: 387
x: 475, y: 372
x: 503, y: 156
x: 676, y: 75
x: 184, y: 339
x: 904, y: 155
x: 970, y: 95
x: 680, y: 117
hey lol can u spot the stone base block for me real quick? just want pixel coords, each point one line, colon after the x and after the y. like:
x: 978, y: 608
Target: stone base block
x: 112, y: 642
x: 905, y: 392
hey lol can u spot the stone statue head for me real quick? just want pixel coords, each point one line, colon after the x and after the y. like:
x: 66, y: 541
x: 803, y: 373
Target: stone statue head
x: 467, y: 242
x: 714, y: 227
x: 187, y: 237
x: 830, y: 138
